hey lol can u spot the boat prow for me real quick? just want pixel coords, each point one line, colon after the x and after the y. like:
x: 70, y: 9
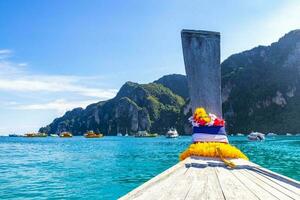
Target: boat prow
x: 209, y: 178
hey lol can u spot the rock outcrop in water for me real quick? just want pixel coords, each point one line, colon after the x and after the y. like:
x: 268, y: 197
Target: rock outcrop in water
x: 260, y: 91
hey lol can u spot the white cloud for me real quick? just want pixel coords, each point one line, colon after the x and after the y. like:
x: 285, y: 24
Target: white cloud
x: 4, y: 53
x: 15, y: 78
x: 60, y: 105
x: 62, y: 92
x: 10, y: 69
x: 53, y: 84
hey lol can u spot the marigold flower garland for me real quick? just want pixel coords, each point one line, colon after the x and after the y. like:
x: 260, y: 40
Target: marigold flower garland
x: 208, y: 149
x: 205, y: 148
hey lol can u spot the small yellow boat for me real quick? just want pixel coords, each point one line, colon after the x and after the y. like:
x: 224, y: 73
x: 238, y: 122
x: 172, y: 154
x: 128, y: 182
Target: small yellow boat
x: 92, y: 134
x: 66, y: 134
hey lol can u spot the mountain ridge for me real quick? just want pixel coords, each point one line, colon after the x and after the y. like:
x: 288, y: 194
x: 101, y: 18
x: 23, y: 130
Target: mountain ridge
x: 259, y: 92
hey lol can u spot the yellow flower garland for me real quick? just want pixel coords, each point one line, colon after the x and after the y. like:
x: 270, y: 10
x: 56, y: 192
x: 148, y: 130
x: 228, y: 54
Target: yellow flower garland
x: 209, y: 149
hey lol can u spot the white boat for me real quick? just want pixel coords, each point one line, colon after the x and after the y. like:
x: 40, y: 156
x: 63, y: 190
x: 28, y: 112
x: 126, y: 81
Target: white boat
x: 240, y: 134
x: 126, y: 135
x: 271, y: 134
x: 256, y: 136
x: 119, y: 134
x: 288, y: 134
x: 172, y: 133
x: 145, y: 134
x: 54, y: 135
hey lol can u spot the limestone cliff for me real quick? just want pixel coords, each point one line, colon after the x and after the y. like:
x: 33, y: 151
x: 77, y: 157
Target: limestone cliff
x: 150, y: 107
x: 260, y: 91
x: 261, y: 87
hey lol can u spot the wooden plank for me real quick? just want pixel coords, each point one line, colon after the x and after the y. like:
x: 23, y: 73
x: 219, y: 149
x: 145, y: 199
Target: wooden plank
x: 207, y: 178
x: 179, y: 188
x: 260, y: 192
x: 264, y: 185
x: 289, y: 184
x: 183, y: 186
x: 232, y: 187
x: 156, y: 190
x: 154, y: 181
x: 198, y: 185
x: 205, y: 185
x: 273, y: 184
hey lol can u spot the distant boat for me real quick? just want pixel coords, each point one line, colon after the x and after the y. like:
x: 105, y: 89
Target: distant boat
x: 172, y: 133
x: 145, y: 134
x: 65, y: 134
x: 119, y: 134
x: 54, y: 135
x: 126, y: 135
x: 288, y: 134
x: 271, y: 134
x: 240, y: 134
x: 92, y: 134
x: 14, y: 135
x: 256, y: 136
x: 298, y: 134
x: 36, y: 135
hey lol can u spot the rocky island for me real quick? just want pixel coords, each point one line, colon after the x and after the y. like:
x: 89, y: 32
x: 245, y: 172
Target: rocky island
x: 260, y: 91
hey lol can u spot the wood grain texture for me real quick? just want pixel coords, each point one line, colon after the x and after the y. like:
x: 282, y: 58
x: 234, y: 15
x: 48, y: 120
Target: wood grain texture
x: 209, y: 178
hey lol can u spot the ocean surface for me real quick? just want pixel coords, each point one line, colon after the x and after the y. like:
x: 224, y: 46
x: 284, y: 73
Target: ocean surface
x: 109, y: 167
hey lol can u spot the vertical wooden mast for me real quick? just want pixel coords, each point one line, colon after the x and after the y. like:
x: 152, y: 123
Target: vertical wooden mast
x: 201, y: 52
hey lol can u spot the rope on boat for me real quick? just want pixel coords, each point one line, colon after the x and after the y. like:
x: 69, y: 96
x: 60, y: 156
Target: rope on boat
x: 226, y: 162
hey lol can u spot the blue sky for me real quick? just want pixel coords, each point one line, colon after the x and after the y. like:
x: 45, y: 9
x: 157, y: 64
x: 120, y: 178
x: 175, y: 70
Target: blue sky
x: 56, y: 55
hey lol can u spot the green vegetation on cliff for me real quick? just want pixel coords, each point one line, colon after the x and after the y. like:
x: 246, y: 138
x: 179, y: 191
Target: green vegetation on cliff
x: 261, y: 87
x: 260, y: 91
x: 136, y: 107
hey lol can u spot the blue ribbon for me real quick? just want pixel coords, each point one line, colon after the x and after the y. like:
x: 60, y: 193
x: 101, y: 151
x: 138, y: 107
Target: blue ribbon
x: 216, y: 130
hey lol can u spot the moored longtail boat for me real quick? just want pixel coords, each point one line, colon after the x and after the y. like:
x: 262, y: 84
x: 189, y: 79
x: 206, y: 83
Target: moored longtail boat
x: 65, y: 134
x: 211, y: 168
x: 145, y: 134
x: 92, y: 134
x: 35, y: 135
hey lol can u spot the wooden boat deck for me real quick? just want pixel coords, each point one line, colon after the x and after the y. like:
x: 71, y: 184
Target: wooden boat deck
x: 208, y: 178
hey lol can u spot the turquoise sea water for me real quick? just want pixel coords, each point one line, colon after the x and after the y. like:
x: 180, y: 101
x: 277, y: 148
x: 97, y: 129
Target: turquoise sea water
x: 109, y: 167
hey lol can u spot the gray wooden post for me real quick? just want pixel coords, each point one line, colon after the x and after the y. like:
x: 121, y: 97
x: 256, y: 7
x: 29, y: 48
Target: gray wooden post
x: 201, y: 52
